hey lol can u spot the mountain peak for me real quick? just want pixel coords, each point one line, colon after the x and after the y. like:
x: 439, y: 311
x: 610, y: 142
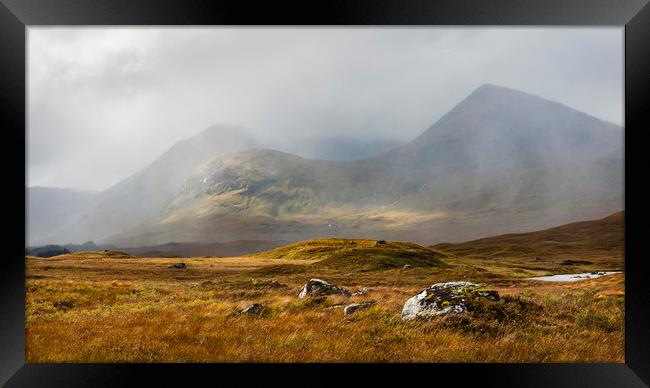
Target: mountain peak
x: 494, y: 115
x: 500, y: 100
x: 496, y: 90
x: 488, y: 86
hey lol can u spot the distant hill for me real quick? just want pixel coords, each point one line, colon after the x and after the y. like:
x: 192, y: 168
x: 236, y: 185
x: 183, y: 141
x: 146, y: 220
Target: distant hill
x: 602, y: 238
x: 500, y: 161
x: 50, y: 210
x: 85, y: 255
x: 144, y: 195
x: 364, y: 255
x: 224, y: 249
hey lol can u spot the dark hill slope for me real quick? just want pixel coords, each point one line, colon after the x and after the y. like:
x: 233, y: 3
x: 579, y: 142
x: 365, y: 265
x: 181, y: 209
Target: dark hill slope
x: 602, y: 238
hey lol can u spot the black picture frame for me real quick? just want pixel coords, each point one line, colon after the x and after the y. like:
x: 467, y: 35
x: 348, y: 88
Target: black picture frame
x: 17, y: 15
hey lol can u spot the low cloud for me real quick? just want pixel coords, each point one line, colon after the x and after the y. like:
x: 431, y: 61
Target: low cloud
x: 104, y: 102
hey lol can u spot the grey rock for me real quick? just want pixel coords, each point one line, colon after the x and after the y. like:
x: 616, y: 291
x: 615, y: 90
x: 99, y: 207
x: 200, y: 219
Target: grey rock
x: 349, y: 309
x: 254, y: 309
x: 360, y: 292
x: 445, y: 298
x: 317, y: 287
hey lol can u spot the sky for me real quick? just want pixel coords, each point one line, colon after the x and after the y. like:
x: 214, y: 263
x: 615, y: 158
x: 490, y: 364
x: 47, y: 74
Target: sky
x: 103, y: 103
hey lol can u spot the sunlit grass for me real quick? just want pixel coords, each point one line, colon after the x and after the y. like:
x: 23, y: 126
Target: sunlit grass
x: 139, y: 310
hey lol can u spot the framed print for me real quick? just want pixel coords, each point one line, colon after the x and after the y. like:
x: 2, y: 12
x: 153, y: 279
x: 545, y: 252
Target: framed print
x: 359, y: 189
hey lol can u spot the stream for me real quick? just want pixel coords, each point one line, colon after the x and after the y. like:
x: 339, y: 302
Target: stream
x: 574, y: 277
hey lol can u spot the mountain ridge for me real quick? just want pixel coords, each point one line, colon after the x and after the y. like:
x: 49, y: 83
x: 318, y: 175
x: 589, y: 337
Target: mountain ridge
x: 498, y: 154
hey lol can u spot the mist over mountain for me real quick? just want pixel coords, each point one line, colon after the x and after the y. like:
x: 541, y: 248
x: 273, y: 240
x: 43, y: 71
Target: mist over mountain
x: 144, y: 194
x: 500, y: 161
x: 49, y: 210
x: 338, y: 147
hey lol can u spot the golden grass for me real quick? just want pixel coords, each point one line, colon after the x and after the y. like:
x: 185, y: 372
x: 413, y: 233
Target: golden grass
x: 98, y: 309
x: 358, y: 254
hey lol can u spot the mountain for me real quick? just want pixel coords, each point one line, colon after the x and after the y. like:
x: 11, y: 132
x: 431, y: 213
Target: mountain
x: 500, y: 161
x: 144, y: 194
x: 51, y: 209
x: 602, y: 238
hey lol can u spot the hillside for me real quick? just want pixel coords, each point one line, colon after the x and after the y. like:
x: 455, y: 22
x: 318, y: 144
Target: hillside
x: 144, y: 194
x: 500, y: 154
x: 364, y: 255
x: 92, y: 255
x: 596, y: 239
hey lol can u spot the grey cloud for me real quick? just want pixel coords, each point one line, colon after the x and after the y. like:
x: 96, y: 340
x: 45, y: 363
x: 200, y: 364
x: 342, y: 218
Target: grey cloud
x: 104, y: 102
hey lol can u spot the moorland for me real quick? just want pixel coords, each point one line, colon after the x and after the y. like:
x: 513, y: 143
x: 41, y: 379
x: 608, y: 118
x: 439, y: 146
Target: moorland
x: 109, y: 306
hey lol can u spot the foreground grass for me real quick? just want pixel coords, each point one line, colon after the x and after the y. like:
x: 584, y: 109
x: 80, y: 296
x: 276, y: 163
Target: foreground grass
x: 139, y: 310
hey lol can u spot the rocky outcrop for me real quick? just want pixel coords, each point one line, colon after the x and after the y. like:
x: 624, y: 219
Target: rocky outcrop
x: 318, y: 287
x: 445, y: 298
x: 349, y: 309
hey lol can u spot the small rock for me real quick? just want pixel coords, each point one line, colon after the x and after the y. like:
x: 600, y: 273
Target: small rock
x: 360, y: 292
x: 254, y: 309
x: 445, y: 298
x: 380, y: 242
x: 178, y: 266
x: 406, y: 266
x: 349, y: 309
x: 315, y: 287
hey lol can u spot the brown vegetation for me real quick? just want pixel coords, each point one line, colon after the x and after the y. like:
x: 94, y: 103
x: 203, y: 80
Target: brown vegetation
x: 359, y: 255
x: 97, y: 308
x: 600, y: 240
